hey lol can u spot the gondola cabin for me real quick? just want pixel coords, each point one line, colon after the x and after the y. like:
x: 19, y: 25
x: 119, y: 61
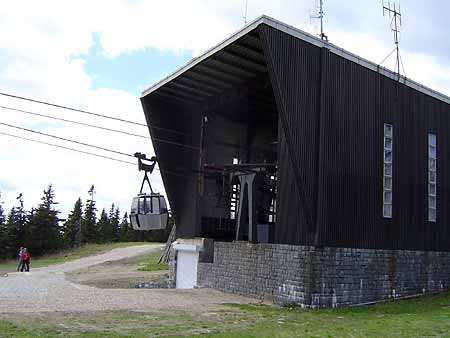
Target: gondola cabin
x: 149, y: 212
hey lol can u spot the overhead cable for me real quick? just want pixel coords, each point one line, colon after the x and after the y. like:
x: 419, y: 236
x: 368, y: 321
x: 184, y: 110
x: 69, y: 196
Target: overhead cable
x: 88, y: 153
x: 66, y: 148
x: 87, y: 112
x: 66, y: 139
x: 99, y: 127
x: 74, y: 122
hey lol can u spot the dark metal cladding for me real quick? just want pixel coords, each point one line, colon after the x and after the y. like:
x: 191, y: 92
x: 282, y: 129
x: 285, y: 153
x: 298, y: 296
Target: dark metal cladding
x: 335, y: 111
x: 178, y: 165
x: 294, y: 68
x: 360, y: 101
x: 330, y: 113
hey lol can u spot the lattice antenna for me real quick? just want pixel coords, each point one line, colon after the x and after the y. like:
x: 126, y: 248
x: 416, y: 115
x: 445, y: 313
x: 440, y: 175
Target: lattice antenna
x: 319, y: 14
x: 396, y: 22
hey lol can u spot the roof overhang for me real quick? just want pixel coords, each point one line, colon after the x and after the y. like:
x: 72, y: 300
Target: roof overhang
x: 303, y: 36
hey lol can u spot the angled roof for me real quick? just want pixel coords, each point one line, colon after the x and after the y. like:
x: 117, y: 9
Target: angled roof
x: 214, y: 79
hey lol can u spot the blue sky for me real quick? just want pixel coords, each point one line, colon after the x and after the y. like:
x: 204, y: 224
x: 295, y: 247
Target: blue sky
x: 78, y: 54
x: 131, y: 71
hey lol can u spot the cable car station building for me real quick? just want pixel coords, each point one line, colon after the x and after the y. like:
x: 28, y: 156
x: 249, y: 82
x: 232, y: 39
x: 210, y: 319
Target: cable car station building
x: 313, y: 176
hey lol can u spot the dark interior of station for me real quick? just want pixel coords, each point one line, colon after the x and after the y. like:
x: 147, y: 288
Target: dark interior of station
x: 240, y: 155
x: 225, y: 106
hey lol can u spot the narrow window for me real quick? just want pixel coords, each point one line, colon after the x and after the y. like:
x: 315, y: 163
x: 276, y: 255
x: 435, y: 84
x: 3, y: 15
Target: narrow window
x: 387, y: 171
x: 432, y: 173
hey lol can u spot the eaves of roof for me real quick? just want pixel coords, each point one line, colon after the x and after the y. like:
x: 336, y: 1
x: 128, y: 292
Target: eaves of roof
x: 305, y: 37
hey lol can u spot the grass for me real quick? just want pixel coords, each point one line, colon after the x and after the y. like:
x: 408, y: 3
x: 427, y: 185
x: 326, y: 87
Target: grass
x: 150, y: 262
x: 422, y: 317
x: 64, y: 256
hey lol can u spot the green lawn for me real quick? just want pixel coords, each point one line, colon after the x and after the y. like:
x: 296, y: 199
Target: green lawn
x: 150, y: 262
x: 85, y: 250
x: 421, y: 317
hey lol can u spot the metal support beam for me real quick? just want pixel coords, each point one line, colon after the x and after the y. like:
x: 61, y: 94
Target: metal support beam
x: 227, y: 56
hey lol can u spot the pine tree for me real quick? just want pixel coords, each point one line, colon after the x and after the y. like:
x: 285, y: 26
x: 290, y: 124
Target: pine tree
x: 89, y: 223
x: 72, y: 227
x: 11, y: 232
x: 20, y: 236
x: 104, y: 228
x: 43, y: 225
x: 125, y: 229
x: 3, y: 232
x: 114, y: 219
x: 2, y: 211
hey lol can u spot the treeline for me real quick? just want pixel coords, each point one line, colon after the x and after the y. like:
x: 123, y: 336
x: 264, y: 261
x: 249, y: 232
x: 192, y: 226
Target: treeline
x: 42, y: 231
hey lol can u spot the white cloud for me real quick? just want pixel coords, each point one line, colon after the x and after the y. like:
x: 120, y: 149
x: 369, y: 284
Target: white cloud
x: 43, y: 47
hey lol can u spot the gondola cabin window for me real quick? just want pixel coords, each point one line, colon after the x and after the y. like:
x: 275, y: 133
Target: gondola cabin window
x: 387, y: 171
x: 432, y: 176
x: 149, y: 204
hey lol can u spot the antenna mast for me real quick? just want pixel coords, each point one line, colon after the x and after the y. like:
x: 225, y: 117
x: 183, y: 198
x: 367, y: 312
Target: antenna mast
x: 396, y: 22
x: 245, y: 12
x: 319, y: 15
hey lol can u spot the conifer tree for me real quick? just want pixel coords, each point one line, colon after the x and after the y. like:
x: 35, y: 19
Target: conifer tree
x: 104, y: 228
x: 72, y: 227
x: 114, y: 219
x: 20, y: 223
x: 89, y: 222
x: 44, y: 226
x: 2, y: 211
x: 12, y: 224
x: 125, y: 229
x: 3, y: 232
x: 14, y: 229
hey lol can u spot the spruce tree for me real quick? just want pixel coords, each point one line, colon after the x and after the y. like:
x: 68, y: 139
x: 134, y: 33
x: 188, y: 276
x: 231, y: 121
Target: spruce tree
x: 72, y: 227
x: 11, y: 232
x: 2, y: 211
x: 125, y: 229
x: 114, y: 219
x: 3, y: 232
x: 20, y: 236
x: 104, y: 228
x: 89, y: 222
x: 43, y: 225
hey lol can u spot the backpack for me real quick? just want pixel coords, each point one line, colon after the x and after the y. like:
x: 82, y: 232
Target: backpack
x: 26, y: 256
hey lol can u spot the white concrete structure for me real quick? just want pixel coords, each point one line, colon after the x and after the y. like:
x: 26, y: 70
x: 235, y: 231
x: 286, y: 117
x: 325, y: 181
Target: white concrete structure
x: 187, y: 261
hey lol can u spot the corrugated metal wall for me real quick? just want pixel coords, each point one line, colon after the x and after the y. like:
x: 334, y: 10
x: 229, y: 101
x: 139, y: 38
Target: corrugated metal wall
x: 360, y: 101
x: 332, y: 133
x: 330, y: 153
x: 294, y: 68
x: 179, y: 166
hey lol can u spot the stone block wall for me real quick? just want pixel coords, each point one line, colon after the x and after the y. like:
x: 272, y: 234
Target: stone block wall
x: 343, y: 276
x: 258, y: 270
x: 326, y: 277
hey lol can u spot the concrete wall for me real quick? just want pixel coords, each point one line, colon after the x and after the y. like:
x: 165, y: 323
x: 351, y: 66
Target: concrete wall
x: 311, y: 277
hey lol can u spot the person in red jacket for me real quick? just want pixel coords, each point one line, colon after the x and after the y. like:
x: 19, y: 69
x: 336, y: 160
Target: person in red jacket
x: 25, y: 260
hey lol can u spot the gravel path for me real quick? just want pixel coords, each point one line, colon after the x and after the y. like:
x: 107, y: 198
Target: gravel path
x: 47, y: 290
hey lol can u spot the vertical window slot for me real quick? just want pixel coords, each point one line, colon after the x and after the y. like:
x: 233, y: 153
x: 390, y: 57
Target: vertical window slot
x: 432, y: 177
x: 387, y: 170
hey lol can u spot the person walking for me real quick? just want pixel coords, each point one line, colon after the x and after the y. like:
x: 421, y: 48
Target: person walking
x: 25, y: 260
x: 19, y: 257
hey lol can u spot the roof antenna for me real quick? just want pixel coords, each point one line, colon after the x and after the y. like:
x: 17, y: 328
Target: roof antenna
x: 396, y: 21
x: 319, y: 14
x: 245, y: 12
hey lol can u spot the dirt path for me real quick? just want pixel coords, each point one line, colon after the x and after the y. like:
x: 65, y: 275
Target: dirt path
x: 48, y: 290
x: 110, y: 256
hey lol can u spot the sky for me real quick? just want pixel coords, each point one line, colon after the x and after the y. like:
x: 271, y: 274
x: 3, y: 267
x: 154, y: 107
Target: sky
x: 99, y: 55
